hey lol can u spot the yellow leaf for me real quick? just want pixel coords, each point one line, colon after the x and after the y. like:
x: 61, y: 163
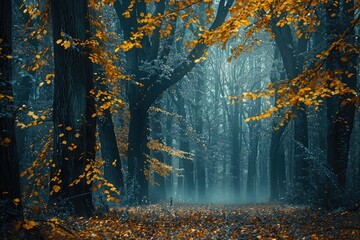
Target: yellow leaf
x: 23, y: 173
x: 56, y: 188
x: 126, y: 14
x: 29, y: 224
x: 66, y: 44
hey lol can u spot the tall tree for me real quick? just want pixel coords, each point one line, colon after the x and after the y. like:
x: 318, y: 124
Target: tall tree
x: 74, y: 106
x: 277, y: 161
x: 153, y: 85
x: 113, y: 172
x: 109, y: 150
x: 157, y: 135
x: 199, y: 129
x: 254, y: 144
x: 9, y: 165
x: 293, y: 60
x: 236, y: 147
x: 189, y: 181
x: 168, y: 141
x: 340, y: 19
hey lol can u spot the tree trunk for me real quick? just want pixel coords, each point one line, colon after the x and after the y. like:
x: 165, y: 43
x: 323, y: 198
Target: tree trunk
x: 160, y: 190
x: 109, y: 149
x: 276, y: 151
x: 301, y: 144
x: 340, y: 117
x: 10, y: 209
x: 199, y: 153
x: 235, y: 154
x: 293, y: 64
x: 137, y: 183
x: 168, y: 158
x: 189, y: 184
x: 74, y: 106
x: 252, y: 164
x: 276, y: 161
x: 21, y: 99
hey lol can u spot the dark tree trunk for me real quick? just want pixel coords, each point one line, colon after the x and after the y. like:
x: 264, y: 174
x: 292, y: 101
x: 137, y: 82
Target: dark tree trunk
x: 109, y: 149
x: 21, y: 99
x: 276, y: 162
x: 281, y: 171
x: 264, y: 169
x: 276, y: 151
x: 137, y: 183
x: 160, y: 190
x: 301, y: 144
x: 168, y: 158
x: 74, y: 106
x: 340, y: 117
x: 235, y: 153
x: 189, y: 184
x: 199, y: 154
x: 293, y: 63
x: 10, y: 209
x: 252, y: 164
x: 319, y: 39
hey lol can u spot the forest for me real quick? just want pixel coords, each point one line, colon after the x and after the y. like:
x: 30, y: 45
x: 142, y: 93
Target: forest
x: 179, y: 119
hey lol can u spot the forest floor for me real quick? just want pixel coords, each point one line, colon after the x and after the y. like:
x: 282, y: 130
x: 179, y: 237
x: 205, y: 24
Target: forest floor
x: 260, y: 221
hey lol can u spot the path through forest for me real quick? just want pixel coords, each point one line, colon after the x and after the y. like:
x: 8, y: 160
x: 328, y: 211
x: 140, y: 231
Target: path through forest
x: 261, y: 221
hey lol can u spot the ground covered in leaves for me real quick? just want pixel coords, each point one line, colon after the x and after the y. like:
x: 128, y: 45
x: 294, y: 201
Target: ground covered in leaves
x: 263, y: 221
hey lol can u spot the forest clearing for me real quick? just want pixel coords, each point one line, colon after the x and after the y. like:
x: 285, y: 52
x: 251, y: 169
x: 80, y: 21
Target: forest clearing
x: 179, y: 119
x: 212, y: 221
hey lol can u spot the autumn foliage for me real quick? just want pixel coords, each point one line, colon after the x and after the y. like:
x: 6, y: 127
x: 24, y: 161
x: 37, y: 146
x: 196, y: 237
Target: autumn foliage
x: 136, y: 51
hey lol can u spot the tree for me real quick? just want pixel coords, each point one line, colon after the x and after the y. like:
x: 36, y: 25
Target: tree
x: 157, y: 135
x: 199, y: 129
x: 253, y: 140
x: 9, y: 165
x: 188, y: 179
x: 236, y: 136
x: 73, y: 109
x: 109, y: 149
x: 142, y: 96
x: 277, y: 161
x: 293, y: 61
x: 340, y: 112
